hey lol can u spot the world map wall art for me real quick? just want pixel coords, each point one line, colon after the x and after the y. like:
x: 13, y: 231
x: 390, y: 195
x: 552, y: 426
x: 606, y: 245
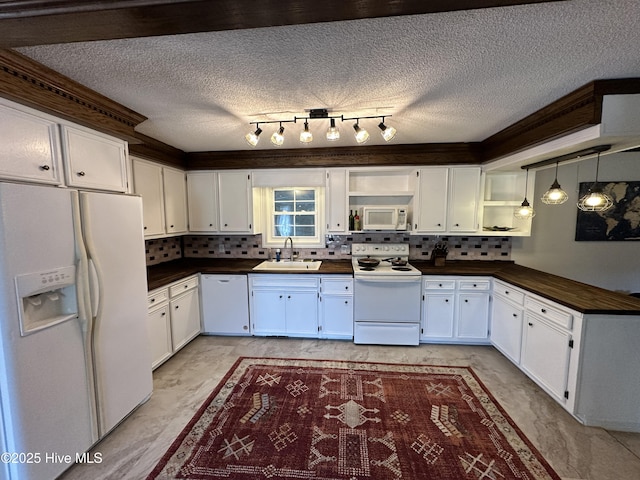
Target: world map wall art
x: 620, y: 222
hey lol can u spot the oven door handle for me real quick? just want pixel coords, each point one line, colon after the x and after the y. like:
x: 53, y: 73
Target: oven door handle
x: 390, y: 278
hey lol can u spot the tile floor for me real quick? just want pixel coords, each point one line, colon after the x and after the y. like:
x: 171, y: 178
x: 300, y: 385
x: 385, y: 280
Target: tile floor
x: 185, y: 381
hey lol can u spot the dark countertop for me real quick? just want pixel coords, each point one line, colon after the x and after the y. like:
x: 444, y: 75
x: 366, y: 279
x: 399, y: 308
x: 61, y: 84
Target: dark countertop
x: 570, y: 293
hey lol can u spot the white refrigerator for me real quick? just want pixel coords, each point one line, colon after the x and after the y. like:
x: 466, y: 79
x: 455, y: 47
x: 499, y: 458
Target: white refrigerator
x: 74, y: 348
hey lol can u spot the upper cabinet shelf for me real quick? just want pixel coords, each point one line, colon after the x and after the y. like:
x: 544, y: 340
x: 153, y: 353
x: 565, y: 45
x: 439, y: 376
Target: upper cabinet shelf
x: 385, y: 182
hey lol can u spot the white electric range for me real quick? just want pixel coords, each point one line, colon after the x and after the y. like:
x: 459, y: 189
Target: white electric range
x: 387, y: 295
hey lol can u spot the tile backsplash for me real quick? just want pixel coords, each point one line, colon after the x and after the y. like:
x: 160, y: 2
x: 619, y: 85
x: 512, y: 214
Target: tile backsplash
x: 250, y: 246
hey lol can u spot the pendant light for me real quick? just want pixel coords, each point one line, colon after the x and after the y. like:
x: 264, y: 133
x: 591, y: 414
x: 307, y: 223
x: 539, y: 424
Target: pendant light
x: 595, y: 200
x: 555, y: 195
x: 253, y: 138
x: 361, y: 134
x: 332, y: 132
x: 305, y: 135
x: 387, y: 132
x: 525, y: 210
x: 278, y: 136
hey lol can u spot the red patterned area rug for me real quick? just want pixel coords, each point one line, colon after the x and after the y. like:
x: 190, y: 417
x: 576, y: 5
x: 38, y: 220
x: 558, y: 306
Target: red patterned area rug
x: 334, y: 420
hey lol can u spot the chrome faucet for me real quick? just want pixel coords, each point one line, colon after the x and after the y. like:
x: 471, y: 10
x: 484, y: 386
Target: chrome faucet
x: 289, y: 239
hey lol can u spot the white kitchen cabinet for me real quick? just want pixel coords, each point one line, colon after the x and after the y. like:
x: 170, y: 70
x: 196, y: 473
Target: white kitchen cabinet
x: 447, y: 200
x: 159, y: 327
x: 225, y: 305
x: 202, y: 200
x: 175, y: 200
x: 30, y: 146
x: 236, y: 201
x: 507, y: 317
x: 94, y: 160
x: 455, y: 309
x: 336, y: 306
x: 430, y: 214
x: 184, y: 305
x: 284, y: 305
x: 164, y: 198
x: 546, y: 350
x: 147, y: 182
x: 336, y: 200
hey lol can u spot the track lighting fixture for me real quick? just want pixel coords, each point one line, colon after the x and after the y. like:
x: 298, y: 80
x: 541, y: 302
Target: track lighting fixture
x: 278, y: 136
x: 333, y: 133
x: 555, y: 195
x: 361, y: 134
x: 253, y: 138
x: 525, y: 210
x: 305, y: 135
x: 387, y: 132
x: 595, y: 200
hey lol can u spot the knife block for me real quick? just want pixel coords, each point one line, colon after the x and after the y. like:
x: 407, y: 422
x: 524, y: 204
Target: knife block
x: 439, y: 261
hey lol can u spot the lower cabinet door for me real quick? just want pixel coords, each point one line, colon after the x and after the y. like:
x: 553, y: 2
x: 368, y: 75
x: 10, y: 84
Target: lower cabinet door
x: 337, y: 316
x: 473, y: 316
x: 185, y: 318
x: 545, y: 355
x: 268, y: 316
x: 506, y: 328
x: 159, y: 335
x: 438, y: 315
x: 302, y: 314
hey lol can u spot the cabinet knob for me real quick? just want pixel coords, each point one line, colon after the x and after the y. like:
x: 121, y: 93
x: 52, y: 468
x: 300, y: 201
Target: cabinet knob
x: 44, y: 167
x: 288, y: 296
x: 81, y: 174
x: 543, y: 310
x: 346, y: 302
x: 226, y: 225
x: 446, y: 300
x: 506, y: 292
x: 177, y: 307
x: 474, y: 285
x: 280, y: 296
x: 171, y: 226
x: 338, y: 224
x: 347, y: 287
x: 457, y: 224
x: 163, y: 314
x: 440, y: 285
x: 145, y: 228
x: 211, y: 224
x: 515, y: 315
x: 439, y: 224
x: 530, y: 324
x: 153, y: 300
x: 466, y: 301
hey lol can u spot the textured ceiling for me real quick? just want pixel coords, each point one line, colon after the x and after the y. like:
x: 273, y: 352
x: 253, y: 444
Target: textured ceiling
x: 445, y: 77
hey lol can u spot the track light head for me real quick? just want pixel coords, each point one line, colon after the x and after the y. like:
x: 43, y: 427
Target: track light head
x: 253, y: 138
x: 305, y: 135
x: 361, y: 134
x: 278, y: 136
x: 332, y: 132
x: 387, y: 132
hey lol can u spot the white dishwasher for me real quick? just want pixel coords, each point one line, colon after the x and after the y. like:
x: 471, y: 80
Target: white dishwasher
x: 225, y: 305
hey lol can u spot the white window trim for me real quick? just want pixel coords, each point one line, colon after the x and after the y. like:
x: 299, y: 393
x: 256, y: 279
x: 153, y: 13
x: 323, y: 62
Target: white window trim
x: 268, y: 240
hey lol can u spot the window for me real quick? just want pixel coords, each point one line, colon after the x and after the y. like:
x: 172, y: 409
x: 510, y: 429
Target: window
x: 293, y: 212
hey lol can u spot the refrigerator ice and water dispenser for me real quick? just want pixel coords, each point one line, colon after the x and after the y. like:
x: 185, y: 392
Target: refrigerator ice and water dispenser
x: 46, y: 298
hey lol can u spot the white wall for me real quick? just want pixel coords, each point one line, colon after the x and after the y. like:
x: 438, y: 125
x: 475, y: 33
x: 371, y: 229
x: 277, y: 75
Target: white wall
x: 552, y: 247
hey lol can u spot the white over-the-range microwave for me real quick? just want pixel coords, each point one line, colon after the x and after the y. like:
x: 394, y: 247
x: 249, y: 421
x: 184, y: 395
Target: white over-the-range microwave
x: 384, y: 217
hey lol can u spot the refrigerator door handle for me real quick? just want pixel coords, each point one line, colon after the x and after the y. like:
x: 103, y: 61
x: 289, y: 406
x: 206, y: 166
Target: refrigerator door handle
x: 94, y: 288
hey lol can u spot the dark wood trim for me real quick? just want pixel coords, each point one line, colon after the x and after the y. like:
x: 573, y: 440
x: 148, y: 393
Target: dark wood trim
x: 152, y: 149
x: 30, y: 83
x: 577, y: 110
x: 41, y: 22
x: 375, y: 155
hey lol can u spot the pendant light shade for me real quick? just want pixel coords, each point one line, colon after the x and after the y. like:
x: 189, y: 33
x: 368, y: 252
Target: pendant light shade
x: 253, y: 138
x: 361, y: 134
x: 555, y: 195
x: 278, y: 136
x: 387, y: 132
x: 525, y: 210
x: 333, y: 133
x: 595, y: 200
x: 305, y: 135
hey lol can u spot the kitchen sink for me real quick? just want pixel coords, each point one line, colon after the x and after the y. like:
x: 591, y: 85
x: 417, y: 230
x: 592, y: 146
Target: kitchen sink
x: 289, y: 265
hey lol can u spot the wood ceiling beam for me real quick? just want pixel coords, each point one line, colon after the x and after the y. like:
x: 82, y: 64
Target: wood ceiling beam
x: 42, y: 22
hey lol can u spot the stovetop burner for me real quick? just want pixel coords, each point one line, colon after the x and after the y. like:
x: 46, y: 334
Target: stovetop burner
x: 367, y: 269
x: 401, y: 269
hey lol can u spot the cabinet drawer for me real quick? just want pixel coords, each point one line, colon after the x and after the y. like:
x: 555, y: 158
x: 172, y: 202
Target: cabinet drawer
x: 183, y: 286
x: 157, y: 297
x: 285, y: 282
x: 474, y: 284
x: 550, y: 313
x: 507, y: 291
x: 337, y: 286
x: 439, y: 284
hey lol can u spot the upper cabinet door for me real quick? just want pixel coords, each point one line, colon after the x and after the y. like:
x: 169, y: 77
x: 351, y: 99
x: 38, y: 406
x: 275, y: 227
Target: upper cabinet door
x: 464, y: 190
x: 431, y: 211
x: 236, y: 204
x: 336, y: 200
x: 175, y: 200
x: 29, y: 149
x: 94, y: 160
x: 147, y: 182
x: 202, y: 198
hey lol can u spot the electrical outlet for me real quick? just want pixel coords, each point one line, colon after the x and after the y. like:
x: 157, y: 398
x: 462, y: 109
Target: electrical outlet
x: 221, y: 248
x: 344, y: 248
